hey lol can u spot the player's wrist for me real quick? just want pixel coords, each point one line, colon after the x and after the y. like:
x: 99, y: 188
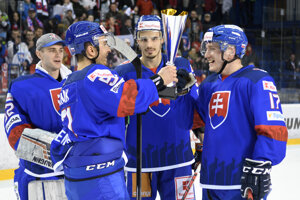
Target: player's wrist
x: 158, y: 82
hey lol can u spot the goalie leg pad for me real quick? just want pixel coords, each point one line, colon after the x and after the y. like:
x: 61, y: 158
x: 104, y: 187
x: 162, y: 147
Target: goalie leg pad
x: 50, y: 189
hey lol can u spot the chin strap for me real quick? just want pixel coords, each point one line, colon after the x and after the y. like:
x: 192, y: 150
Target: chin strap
x: 225, y: 62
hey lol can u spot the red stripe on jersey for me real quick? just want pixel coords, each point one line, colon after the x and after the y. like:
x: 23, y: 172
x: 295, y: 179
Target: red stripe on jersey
x: 197, y: 121
x: 161, y: 100
x: 279, y: 133
x: 127, y: 102
x: 16, y: 133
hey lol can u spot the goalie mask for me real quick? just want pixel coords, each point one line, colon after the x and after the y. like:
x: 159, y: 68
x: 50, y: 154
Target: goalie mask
x: 148, y: 23
x: 81, y: 32
x: 226, y: 35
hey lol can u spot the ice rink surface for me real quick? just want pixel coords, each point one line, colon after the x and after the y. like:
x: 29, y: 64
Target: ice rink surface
x: 285, y: 179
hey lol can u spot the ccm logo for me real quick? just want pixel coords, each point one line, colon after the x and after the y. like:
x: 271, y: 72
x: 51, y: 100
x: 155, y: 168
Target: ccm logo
x: 254, y: 170
x: 100, y: 166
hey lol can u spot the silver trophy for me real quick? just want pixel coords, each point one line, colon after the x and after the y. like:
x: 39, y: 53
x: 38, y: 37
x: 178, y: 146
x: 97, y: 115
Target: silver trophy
x: 173, y: 29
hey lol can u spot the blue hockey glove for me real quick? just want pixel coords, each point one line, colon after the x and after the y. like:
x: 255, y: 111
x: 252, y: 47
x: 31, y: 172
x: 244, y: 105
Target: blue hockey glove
x: 256, y: 177
x: 197, y: 155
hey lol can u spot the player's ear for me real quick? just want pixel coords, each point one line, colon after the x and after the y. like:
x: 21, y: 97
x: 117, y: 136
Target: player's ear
x: 38, y: 54
x: 90, y: 51
x: 229, y: 53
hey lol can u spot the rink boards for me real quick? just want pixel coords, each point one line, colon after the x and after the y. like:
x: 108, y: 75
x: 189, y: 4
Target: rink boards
x: 8, y: 160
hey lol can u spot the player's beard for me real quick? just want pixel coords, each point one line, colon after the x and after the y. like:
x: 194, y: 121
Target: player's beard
x: 152, y: 55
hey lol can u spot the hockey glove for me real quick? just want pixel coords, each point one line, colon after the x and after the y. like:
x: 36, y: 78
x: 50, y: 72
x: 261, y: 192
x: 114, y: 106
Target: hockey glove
x: 197, y: 155
x: 183, y: 78
x: 185, y: 82
x: 256, y: 177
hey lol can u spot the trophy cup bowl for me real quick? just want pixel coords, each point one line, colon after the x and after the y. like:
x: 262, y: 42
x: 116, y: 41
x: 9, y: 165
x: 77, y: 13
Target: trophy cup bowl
x: 173, y: 28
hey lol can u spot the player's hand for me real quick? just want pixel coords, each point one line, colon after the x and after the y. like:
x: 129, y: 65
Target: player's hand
x: 256, y: 177
x: 168, y: 74
x: 197, y: 155
x: 183, y: 78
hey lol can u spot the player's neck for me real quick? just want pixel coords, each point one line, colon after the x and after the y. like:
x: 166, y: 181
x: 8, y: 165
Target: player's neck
x: 151, y: 63
x: 232, y: 67
x: 51, y: 71
x: 83, y: 64
x: 54, y: 74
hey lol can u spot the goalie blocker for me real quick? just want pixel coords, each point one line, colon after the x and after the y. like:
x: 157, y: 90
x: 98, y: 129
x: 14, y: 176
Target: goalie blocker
x: 34, y: 146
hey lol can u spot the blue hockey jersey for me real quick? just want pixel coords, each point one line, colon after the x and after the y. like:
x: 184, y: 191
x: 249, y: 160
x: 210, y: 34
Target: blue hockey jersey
x: 165, y: 127
x: 243, y: 119
x: 32, y: 102
x: 94, y: 102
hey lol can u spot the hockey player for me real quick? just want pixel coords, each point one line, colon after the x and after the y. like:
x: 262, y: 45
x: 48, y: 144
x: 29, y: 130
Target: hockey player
x: 94, y: 101
x: 32, y: 107
x: 166, y: 149
x: 245, y: 133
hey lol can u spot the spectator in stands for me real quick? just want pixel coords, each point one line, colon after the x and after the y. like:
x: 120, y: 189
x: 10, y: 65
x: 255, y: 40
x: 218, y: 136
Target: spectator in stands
x: 39, y: 31
x: 199, y: 6
x: 51, y: 25
x: 155, y: 12
x: 135, y: 15
x: 68, y: 6
x: 114, y: 12
x: 128, y: 3
x: 145, y: 7
x: 226, y: 8
x: 91, y: 18
x: 196, y: 26
x: 207, y: 23
x: 112, y: 26
x: 194, y: 58
x: 126, y: 29
x: 32, y: 22
x: 4, y: 24
x: 185, y: 44
x: 18, y: 52
x: 27, y: 5
x: 31, y: 41
x: 88, y: 5
x: 68, y: 18
x: 293, y: 71
x: 104, y: 9
x: 210, y: 6
x: 78, y: 8
x: 15, y: 21
x: 249, y: 57
x: 3, y: 51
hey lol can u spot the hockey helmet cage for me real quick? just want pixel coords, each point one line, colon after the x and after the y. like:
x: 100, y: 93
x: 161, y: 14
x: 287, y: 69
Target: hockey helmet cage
x: 81, y: 32
x: 148, y: 23
x: 226, y: 35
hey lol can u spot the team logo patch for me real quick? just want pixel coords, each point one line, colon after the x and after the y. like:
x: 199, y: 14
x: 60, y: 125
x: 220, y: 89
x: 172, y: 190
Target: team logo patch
x: 161, y: 107
x: 218, y: 108
x: 275, y: 116
x: 181, y: 184
x: 269, y: 85
x: 54, y: 93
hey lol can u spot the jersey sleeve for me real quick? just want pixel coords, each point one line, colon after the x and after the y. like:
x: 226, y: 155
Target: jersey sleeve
x: 16, y: 119
x: 111, y: 93
x: 269, y: 122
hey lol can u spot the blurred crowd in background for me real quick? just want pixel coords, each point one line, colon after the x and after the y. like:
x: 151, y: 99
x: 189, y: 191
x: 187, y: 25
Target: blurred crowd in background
x: 23, y: 22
